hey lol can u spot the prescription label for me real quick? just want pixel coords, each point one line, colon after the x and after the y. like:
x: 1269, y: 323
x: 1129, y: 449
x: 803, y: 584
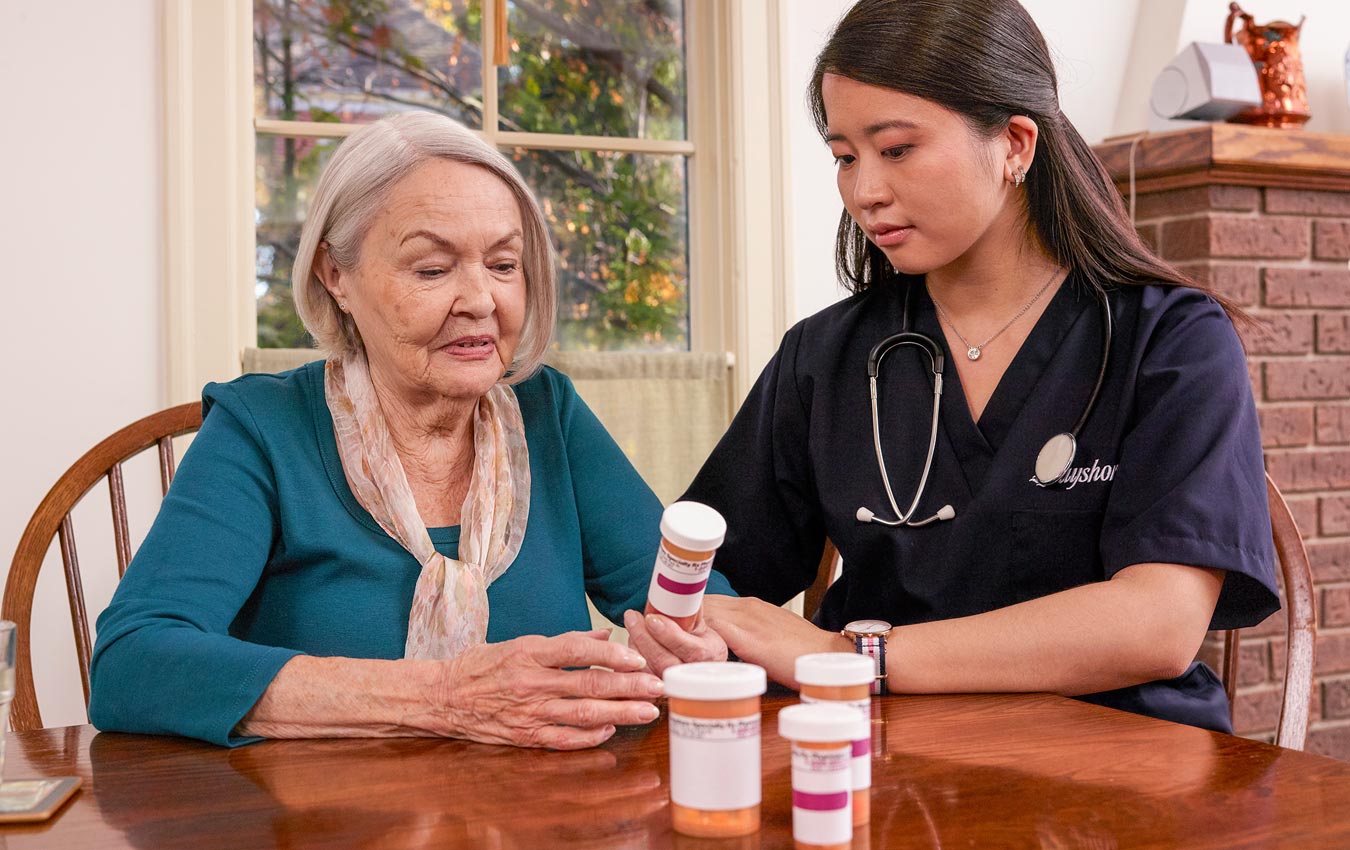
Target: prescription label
x: 862, y: 748
x: 677, y: 584
x: 822, y: 802
x: 714, y: 762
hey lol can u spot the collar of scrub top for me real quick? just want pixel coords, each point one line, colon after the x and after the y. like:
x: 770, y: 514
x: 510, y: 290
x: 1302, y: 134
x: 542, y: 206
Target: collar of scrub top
x: 1052, y: 462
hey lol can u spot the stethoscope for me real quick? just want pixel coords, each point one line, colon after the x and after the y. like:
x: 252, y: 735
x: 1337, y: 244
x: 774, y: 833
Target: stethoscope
x: 1053, y: 461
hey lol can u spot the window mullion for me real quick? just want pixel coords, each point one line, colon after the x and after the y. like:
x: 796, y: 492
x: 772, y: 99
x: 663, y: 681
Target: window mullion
x: 503, y: 138
x: 304, y: 129
x: 486, y: 50
x: 608, y: 144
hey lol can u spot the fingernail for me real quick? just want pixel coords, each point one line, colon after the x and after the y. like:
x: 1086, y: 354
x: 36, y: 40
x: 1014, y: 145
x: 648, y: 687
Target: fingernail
x: 656, y: 687
x: 629, y: 617
x: 654, y: 622
x: 634, y: 658
x: 649, y: 713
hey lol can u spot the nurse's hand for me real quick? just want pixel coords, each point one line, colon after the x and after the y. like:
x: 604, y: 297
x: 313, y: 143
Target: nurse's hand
x: 767, y: 635
x: 664, y: 644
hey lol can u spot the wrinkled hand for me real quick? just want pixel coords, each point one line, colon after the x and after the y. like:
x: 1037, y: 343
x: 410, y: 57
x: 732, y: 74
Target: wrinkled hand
x: 768, y: 635
x: 517, y: 692
x: 664, y: 644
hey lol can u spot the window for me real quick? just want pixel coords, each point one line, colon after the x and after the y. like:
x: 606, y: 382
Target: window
x: 724, y: 236
x: 592, y: 105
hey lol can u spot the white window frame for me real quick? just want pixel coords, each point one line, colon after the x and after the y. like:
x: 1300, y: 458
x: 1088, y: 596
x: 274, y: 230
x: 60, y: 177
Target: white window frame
x: 740, y: 270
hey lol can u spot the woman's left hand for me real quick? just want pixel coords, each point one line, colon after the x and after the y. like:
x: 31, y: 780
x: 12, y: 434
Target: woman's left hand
x: 767, y: 635
x: 664, y: 644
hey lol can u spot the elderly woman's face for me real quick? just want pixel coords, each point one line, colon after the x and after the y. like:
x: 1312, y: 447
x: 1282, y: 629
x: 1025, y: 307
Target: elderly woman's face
x: 439, y: 291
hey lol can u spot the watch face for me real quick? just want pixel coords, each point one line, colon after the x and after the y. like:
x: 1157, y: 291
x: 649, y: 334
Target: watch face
x: 868, y: 627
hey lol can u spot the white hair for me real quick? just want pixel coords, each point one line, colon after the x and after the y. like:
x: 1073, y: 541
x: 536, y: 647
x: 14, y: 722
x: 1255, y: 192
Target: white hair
x: 350, y: 192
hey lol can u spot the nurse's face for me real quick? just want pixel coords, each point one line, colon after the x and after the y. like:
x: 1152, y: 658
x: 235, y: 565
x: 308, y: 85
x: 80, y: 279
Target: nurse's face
x: 923, y: 186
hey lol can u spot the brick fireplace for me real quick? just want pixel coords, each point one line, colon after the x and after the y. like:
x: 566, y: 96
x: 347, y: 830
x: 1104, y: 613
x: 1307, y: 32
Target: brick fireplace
x: 1263, y: 218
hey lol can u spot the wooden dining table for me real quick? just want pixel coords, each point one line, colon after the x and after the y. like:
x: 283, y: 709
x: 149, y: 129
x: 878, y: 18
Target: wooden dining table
x: 971, y: 771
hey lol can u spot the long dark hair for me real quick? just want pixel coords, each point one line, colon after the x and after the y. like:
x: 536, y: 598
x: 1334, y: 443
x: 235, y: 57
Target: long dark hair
x: 987, y: 61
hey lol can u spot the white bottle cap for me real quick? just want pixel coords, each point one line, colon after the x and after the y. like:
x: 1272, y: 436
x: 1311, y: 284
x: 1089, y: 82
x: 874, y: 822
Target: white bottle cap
x: 715, y: 680
x: 822, y: 723
x: 693, y: 526
x: 835, y: 669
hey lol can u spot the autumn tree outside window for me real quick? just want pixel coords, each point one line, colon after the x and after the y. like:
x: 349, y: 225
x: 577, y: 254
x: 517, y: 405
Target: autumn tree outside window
x: 591, y: 104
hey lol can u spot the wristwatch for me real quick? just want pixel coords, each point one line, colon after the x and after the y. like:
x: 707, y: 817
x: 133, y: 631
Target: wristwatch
x: 869, y: 638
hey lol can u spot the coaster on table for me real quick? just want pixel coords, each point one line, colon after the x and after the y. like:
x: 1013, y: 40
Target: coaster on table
x: 30, y: 800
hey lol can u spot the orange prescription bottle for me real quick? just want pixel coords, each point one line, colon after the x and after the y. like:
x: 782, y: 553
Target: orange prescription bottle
x: 822, y: 737
x: 714, y: 747
x: 845, y: 678
x: 690, y: 535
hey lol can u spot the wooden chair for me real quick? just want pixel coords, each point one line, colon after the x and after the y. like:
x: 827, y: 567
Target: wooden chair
x: 1300, y: 610
x: 53, y: 519
x: 1300, y: 603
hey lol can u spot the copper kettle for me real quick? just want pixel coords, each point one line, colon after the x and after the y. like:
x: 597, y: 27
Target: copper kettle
x: 1274, y: 50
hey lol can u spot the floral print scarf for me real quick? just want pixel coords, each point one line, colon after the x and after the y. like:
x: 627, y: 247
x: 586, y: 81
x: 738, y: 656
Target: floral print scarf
x: 450, y: 605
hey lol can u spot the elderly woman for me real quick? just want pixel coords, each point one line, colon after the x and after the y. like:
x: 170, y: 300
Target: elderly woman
x: 326, y: 559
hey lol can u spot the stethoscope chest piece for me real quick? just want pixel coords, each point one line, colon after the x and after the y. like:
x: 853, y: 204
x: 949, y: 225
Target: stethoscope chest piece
x: 1055, y: 459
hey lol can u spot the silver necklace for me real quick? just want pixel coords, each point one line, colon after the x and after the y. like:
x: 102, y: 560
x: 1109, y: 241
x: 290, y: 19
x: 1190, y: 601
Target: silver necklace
x: 974, y: 351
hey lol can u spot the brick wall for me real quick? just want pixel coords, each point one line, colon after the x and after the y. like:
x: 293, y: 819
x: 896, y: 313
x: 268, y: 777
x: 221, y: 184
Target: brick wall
x: 1281, y: 255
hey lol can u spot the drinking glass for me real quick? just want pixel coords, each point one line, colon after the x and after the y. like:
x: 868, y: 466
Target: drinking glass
x: 26, y: 799
x: 6, y: 684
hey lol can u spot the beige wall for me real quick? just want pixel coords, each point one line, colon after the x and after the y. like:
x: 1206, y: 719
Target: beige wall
x: 80, y: 335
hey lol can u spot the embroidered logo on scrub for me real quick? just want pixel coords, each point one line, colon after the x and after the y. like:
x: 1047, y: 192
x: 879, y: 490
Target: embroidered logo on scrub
x: 1085, y: 475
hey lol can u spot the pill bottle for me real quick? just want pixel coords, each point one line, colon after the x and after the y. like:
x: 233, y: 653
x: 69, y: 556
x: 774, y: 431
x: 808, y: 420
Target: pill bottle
x: 845, y: 678
x: 714, y: 747
x: 690, y: 535
x: 822, y: 737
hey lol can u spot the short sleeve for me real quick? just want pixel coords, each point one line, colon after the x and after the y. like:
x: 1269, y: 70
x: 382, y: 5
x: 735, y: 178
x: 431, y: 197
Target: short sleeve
x: 1190, y: 487
x: 759, y: 478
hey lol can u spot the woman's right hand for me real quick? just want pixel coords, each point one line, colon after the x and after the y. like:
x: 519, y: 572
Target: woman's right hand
x: 520, y: 691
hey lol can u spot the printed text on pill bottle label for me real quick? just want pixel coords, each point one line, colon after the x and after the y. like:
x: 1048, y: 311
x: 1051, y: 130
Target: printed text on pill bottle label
x: 714, y: 762
x: 677, y: 584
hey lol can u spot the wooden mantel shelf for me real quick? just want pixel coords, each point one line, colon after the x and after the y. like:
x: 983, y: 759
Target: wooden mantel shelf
x: 1231, y: 154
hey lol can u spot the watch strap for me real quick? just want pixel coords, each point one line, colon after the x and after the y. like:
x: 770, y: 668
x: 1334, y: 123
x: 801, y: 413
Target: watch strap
x: 874, y: 646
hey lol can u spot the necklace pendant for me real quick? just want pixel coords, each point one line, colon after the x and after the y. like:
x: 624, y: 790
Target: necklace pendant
x: 973, y: 353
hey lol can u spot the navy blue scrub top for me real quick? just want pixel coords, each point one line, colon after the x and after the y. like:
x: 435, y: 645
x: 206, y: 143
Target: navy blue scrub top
x: 1168, y: 469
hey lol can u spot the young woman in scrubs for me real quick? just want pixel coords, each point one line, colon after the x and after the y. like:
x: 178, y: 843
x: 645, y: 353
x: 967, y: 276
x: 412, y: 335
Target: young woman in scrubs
x: 970, y: 198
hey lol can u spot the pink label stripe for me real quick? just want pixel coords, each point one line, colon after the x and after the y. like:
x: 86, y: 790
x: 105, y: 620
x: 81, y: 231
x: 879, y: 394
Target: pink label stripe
x: 819, y: 802
x: 680, y: 587
x: 862, y: 748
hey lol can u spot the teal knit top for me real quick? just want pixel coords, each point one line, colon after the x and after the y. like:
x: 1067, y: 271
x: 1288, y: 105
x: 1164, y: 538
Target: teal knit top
x: 261, y: 552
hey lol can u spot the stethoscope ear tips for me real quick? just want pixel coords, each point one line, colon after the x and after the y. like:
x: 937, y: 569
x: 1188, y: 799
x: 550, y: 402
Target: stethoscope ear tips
x: 946, y: 512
